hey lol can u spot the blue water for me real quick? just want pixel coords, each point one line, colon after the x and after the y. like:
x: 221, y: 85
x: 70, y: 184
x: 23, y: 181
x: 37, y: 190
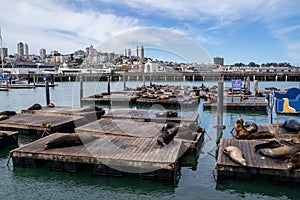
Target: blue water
x: 196, y: 182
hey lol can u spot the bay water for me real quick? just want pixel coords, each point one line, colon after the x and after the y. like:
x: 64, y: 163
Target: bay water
x: 196, y: 182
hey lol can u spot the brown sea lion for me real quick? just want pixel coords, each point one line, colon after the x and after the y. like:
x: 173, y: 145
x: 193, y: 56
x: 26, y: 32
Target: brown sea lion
x: 235, y: 154
x: 272, y: 144
x: 280, y: 152
x: 167, y: 113
x: 163, y: 97
x: 9, y: 113
x: 251, y: 128
x: 239, y: 125
x: 294, y: 161
x: 98, y: 95
x: 291, y: 125
x: 3, y: 117
x: 242, y: 134
x: 261, y: 135
x: 46, y: 124
x: 167, y: 136
x: 68, y: 140
x: 51, y: 105
x: 35, y: 106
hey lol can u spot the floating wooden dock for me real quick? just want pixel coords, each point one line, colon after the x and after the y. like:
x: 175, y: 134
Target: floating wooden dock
x: 257, y: 164
x: 234, y: 103
x: 91, y: 113
x: 135, y: 128
x: 28, y: 124
x: 150, y: 116
x: 116, y: 98
x: 18, y: 86
x: 8, y: 138
x: 109, y: 155
x: 178, y: 101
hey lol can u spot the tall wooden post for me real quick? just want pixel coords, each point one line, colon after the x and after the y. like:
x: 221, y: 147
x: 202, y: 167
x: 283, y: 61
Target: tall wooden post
x: 255, y: 87
x: 47, y: 92
x: 220, y: 104
x: 108, y: 84
x: 81, y: 91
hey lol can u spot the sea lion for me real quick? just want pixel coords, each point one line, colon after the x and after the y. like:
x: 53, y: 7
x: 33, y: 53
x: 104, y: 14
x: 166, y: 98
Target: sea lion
x: 294, y: 161
x: 235, y: 154
x: 242, y: 134
x: 51, y: 105
x: 239, y: 125
x: 3, y: 117
x: 168, y: 125
x: 261, y: 135
x: 68, y: 140
x: 46, y: 124
x: 35, y: 106
x: 2, y: 134
x: 280, y: 152
x: 272, y: 144
x: 98, y: 95
x: 167, y: 113
x: 291, y: 125
x: 167, y: 136
x: 9, y: 113
x: 163, y: 97
x: 251, y: 128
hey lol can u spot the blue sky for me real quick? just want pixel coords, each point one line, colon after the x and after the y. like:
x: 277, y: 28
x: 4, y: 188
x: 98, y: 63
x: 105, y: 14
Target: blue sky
x: 192, y: 30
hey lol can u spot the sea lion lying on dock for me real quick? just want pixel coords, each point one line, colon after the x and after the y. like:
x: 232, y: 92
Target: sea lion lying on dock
x: 3, y: 117
x: 35, y: 106
x: 291, y: 125
x: 251, y: 128
x: 167, y: 135
x: 235, y: 154
x: 51, y: 105
x: 167, y: 113
x: 280, y: 152
x: 240, y: 131
x: 261, y: 135
x: 272, y: 144
x: 68, y: 140
x: 8, y: 113
x: 98, y: 95
x: 294, y: 161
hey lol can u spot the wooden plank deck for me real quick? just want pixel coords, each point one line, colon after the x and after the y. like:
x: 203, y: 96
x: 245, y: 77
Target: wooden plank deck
x: 8, y: 138
x: 150, y: 116
x: 122, y: 127
x: 252, y: 103
x: 34, y: 122
x: 107, y: 149
x: 257, y: 164
x: 185, y: 101
x: 88, y: 112
x: 112, y: 98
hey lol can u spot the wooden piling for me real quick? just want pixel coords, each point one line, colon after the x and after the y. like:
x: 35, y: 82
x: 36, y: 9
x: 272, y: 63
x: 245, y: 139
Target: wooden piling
x: 108, y: 84
x: 47, y: 92
x: 220, y: 104
x: 81, y: 91
x: 255, y: 87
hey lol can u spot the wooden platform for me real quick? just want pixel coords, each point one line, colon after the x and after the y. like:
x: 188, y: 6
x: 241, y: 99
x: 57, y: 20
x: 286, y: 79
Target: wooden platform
x: 229, y: 103
x: 179, y: 101
x: 121, y: 98
x: 88, y: 112
x: 257, y: 164
x: 150, y: 116
x: 122, y: 128
x: 33, y: 123
x: 8, y: 138
x: 133, y: 154
x: 18, y: 86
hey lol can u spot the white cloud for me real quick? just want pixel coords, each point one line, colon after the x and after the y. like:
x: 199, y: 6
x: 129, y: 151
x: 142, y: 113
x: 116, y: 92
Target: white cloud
x: 53, y: 25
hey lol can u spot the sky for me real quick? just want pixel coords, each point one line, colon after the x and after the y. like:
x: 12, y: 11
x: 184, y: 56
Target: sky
x: 244, y: 31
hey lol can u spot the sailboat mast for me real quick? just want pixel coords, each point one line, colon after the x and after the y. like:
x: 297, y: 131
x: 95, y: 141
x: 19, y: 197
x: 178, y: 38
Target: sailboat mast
x: 2, y: 64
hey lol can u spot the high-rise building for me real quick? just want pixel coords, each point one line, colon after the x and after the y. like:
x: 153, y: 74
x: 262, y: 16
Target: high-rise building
x: 43, y: 54
x: 3, y: 52
x: 140, y: 52
x: 20, y: 47
x: 26, y: 50
x: 127, y: 52
x: 218, y: 61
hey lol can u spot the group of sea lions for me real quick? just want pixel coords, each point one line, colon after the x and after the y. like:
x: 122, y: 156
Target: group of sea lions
x: 281, y: 149
x: 167, y: 113
x: 250, y: 131
x: 170, y: 130
x: 6, y: 114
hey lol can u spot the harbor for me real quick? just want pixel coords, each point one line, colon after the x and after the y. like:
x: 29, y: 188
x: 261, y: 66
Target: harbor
x: 199, y: 170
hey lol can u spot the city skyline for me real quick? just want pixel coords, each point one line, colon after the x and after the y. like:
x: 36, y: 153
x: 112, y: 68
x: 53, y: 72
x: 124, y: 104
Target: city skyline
x: 258, y: 31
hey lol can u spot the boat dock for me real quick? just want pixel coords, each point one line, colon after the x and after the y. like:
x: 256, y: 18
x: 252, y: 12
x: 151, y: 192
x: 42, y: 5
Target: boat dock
x: 178, y: 101
x: 41, y: 124
x: 113, y: 98
x: 151, y: 116
x: 257, y: 164
x: 109, y: 155
x: 8, y: 138
x: 91, y: 113
x: 235, y: 103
